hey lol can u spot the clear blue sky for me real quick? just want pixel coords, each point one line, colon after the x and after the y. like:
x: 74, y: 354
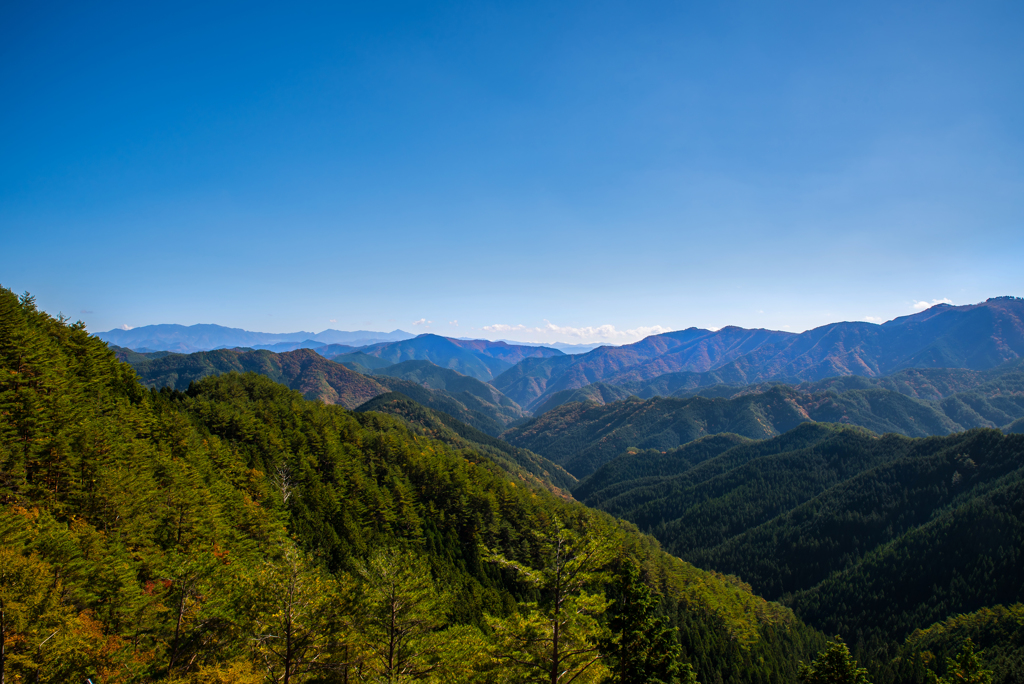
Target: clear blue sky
x: 579, y: 164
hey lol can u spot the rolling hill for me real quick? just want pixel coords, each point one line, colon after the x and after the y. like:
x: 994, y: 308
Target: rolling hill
x: 320, y: 379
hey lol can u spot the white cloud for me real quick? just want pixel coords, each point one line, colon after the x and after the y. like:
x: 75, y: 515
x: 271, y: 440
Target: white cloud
x: 333, y: 320
x: 921, y: 306
x: 502, y: 327
x: 422, y: 321
x: 603, y: 332
x: 872, y: 319
x: 454, y: 323
x: 125, y: 326
x: 555, y: 333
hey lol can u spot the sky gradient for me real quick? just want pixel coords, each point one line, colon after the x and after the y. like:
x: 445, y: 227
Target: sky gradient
x: 572, y: 171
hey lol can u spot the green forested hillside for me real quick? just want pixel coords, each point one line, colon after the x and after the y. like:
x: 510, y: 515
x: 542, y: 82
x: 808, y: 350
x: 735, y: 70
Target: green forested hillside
x: 997, y: 633
x: 865, y: 536
x: 485, y: 416
x: 582, y: 437
x: 359, y: 362
x: 236, y: 532
x: 439, y: 425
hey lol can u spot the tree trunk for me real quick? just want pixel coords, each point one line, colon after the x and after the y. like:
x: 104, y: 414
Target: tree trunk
x: 3, y: 642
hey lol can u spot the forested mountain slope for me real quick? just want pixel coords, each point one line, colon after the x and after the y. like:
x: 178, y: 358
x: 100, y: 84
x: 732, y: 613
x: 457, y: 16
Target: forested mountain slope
x: 434, y: 377
x: 865, y: 536
x: 303, y: 370
x: 237, y: 532
x: 597, y: 393
x: 527, y: 465
x: 582, y: 437
x: 929, y: 384
x: 977, y: 336
x: 470, y: 400
x: 997, y: 632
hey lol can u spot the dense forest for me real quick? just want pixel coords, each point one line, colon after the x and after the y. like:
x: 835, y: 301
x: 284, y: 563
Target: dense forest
x: 866, y: 536
x: 237, y: 532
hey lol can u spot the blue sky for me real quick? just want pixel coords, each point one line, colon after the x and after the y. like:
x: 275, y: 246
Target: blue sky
x: 545, y: 171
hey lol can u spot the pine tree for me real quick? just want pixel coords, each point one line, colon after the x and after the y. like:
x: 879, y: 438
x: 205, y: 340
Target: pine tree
x: 400, y: 618
x: 556, y: 640
x: 294, y: 621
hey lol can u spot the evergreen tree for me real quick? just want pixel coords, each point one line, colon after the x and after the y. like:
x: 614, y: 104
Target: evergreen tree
x: 294, y: 622
x: 834, y: 665
x: 556, y: 641
x: 399, y: 618
x: 643, y: 647
x: 966, y: 668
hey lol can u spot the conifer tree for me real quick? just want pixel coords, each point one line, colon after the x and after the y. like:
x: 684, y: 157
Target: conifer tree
x: 834, y: 665
x: 643, y: 648
x: 966, y: 668
x: 294, y: 621
x: 557, y: 640
x: 400, y: 620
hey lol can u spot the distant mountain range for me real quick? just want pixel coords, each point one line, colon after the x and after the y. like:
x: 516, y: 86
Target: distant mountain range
x: 205, y: 337
x: 977, y: 337
x: 973, y: 337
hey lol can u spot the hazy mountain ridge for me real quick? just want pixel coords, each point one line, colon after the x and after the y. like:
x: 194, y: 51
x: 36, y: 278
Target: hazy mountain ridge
x: 209, y: 336
x: 436, y: 378
x: 930, y: 384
